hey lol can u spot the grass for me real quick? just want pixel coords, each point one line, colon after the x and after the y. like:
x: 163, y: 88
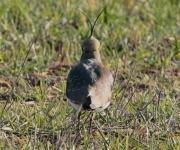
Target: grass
x: 141, y: 37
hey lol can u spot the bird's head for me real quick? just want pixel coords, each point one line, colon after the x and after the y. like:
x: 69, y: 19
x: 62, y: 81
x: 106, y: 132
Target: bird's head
x: 90, y: 48
x: 90, y: 44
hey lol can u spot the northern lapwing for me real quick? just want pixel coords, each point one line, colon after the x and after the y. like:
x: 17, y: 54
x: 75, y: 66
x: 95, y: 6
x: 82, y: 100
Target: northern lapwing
x: 89, y: 83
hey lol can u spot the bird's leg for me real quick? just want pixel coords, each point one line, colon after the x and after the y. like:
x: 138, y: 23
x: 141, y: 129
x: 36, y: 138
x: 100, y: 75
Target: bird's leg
x: 90, y: 122
x: 78, y: 116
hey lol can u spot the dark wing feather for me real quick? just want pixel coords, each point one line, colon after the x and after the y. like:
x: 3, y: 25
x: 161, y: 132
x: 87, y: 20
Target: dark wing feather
x: 78, y: 83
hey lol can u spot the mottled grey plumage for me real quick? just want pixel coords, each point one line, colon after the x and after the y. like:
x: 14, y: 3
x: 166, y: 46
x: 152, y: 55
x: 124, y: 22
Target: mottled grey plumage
x: 89, y: 83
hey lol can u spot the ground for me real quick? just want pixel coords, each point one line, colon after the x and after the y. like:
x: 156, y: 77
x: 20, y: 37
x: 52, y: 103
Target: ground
x: 40, y: 41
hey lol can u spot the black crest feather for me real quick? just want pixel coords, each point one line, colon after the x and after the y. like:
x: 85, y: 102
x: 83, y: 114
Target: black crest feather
x: 92, y: 26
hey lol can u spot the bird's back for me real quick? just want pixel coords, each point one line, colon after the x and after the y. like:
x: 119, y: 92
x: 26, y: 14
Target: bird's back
x: 89, y: 84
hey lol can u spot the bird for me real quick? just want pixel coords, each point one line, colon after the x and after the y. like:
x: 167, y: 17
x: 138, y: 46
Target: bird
x: 89, y: 83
